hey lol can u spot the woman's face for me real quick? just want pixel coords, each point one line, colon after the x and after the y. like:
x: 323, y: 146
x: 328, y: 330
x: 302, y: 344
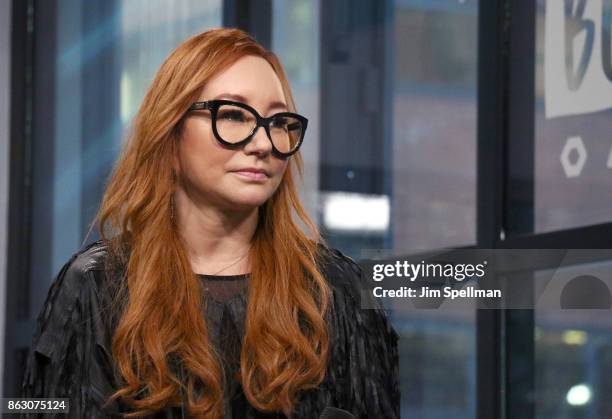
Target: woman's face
x: 210, y: 171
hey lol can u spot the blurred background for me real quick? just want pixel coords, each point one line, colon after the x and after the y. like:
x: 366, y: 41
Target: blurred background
x: 432, y: 124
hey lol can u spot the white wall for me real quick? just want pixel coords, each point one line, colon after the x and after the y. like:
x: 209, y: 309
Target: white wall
x: 5, y: 66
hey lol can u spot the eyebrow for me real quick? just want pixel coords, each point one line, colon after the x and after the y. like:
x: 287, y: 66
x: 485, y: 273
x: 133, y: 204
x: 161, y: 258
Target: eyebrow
x: 240, y: 98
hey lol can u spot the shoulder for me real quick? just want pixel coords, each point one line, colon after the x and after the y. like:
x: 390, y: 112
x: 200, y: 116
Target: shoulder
x: 346, y: 278
x: 69, y: 292
x: 342, y: 272
x: 74, y: 272
x: 74, y: 275
x: 338, y: 266
x: 89, y: 257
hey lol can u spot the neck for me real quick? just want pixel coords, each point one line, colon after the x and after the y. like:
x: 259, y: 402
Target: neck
x: 215, y: 238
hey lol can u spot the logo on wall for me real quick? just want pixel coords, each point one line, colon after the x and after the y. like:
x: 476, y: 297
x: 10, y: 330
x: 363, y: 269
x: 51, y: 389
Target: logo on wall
x: 577, y: 68
x: 578, y: 40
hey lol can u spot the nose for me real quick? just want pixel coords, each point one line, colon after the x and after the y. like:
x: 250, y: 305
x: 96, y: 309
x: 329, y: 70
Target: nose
x: 260, y: 143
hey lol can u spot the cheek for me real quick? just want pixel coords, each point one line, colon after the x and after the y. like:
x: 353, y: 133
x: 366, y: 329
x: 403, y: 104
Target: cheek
x: 196, y: 137
x: 280, y: 173
x: 200, y: 149
x: 281, y: 167
x: 199, y: 160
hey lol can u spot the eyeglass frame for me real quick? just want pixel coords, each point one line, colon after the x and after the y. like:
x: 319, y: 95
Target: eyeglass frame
x: 214, y: 105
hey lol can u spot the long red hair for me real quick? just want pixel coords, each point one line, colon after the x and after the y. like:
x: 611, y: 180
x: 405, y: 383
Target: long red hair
x: 286, y: 343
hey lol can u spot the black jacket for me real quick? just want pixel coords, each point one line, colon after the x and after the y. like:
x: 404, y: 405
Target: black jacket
x: 70, y: 354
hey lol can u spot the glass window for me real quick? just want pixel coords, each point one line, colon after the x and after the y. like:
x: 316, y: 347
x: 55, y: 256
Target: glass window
x: 295, y: 40
x: 434, y: 124
x: 149, y: 31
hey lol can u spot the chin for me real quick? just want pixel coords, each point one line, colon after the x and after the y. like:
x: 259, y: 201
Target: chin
x: 249, y: 200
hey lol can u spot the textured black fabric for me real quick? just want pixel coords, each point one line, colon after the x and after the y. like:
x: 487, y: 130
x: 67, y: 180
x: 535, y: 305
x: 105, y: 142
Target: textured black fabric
x: 70, y: 354
x: 227, y: 293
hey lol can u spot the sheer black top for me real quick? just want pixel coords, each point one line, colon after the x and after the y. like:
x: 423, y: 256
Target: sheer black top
x: 226, y: 309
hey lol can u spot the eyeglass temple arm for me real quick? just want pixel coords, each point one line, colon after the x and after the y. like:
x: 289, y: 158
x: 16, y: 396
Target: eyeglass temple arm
x: 199, y: 105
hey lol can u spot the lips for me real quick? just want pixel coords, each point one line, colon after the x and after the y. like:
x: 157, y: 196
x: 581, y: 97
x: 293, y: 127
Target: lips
x: 253, y: 170
x: 253, y: 173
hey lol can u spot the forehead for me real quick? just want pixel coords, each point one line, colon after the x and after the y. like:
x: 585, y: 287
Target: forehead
x: 251, y: 77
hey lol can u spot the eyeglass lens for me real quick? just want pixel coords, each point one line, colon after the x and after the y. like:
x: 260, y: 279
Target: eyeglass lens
x: 235, y: 124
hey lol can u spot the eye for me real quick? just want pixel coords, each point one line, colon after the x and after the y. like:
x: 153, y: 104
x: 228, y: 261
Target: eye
x: 280, y: 122
x: 232, y: 115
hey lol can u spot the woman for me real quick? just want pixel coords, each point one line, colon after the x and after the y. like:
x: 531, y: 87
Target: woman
x: 204, y: 298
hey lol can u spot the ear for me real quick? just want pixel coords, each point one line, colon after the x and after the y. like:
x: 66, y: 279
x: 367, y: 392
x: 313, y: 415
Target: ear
x: 176, y: 137
x: 176, y: 165
x: 176, y: 162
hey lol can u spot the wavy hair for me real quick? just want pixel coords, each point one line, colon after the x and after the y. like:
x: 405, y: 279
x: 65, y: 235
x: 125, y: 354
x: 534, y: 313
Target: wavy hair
x: 286, y: 343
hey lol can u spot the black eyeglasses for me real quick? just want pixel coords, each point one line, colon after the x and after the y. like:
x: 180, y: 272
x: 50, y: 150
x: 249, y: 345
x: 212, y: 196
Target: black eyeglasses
x: 235, y: 124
